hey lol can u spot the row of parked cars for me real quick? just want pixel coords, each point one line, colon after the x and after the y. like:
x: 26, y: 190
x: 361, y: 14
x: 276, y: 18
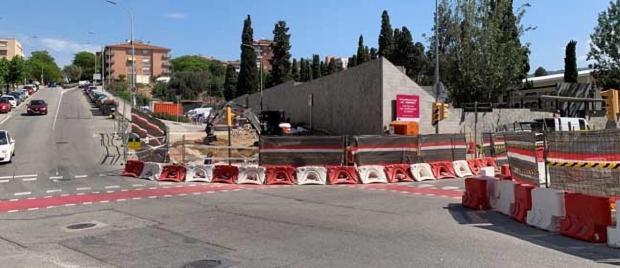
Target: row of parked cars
x: 14, y: 98
x: 102, y: 100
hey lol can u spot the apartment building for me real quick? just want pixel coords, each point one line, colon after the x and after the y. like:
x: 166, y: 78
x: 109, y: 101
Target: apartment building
x: 263, y: 46
x: 150, y: 62
x: 10, y: 47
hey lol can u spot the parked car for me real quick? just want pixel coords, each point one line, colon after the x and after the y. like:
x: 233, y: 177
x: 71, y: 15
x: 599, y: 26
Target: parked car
x: 18, y: 96
x: 51, y: 84
x: 5, y: 105
x: 30, y: 89
x: 7, y: 147
x: 11, y: 99
x: 23, y: 93
x: 34, y: 87
x: 37, y: 107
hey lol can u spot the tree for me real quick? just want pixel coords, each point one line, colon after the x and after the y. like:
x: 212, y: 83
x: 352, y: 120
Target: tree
x: 386, y: 38
x: 540, y: 71
x: 604, y: 47
x: 281, y: 60
x: 230, y: 83
x: 316, y: 66
x: 570, y: 63
x: 190, y: 85
x: 199, y: 64
x: 373, y: 53
x: 42, y: 65
x: 72, y: 72
x: 248, y: 74
x: 331, y: 67
x: 481, y: 53
x: 17, y: 70
x: 4, y: 72
x: 352, y: 61
x: 295, y: 70
x: 304, y: 75
x: 360, y: 50
x: 86, y: 61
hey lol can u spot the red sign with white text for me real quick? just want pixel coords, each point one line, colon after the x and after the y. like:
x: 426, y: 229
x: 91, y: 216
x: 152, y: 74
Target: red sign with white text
x: 408, y: 108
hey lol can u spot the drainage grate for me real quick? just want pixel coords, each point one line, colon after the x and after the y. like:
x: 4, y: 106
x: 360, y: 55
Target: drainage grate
x: 203, y: 264
x: 79, y: 226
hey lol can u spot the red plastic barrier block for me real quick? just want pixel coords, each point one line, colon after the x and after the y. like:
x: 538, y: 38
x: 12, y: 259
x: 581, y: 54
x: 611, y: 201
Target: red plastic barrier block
x: 490, y: 162
x: 280, y: 175
x: 174, y: 173
x: 587, y: 217
x: 475, y: 196
x: 398, y: 173
x: 133, y: 168
x: 342, y: 175
x: 523, y: 202
x: 475, y: 165
x: 225, y: 174
x: 443, y: 170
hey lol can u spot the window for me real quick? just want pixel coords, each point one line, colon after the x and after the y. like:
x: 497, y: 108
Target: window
x: 3, y: 138
x: 3, y: 44
x: 3, y: 52
x: 145, y: 52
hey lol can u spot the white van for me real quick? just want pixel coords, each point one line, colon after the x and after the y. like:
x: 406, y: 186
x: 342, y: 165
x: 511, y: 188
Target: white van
x: 563, y: 124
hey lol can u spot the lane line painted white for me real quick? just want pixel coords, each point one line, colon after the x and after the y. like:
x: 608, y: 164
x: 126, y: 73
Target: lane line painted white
x: 25, y: 176
x: 137, y: 185
x: 56, y: 177
x: 69, y: 205
x: 13, y: 210
x: 112, y: 187
x: 29, y: 179
x: 6, y: 177
x: 449, y: 188
x: 80, y: 176
x: 152, y: 197
x: 31, y: 209
x: 3, y: 181
x: 121, y: 200
x: 50, y: 207
x: 53, y: 191
x: 83, y: 188
x: 136, y: 198
x: 57, y: 110
x: 104, y: 201
x: 87, y: 203
x: 22, y: 193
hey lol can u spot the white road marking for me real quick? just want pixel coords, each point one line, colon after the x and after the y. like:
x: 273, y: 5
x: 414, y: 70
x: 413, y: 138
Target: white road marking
x: 121, y: 199
x: 3, y: 181
x: 56, y: 177
x: 25, y: 176
x: 53, y: 191
x: 22, y: 193
x: 167, y: 195
x: 87, y: 203
x: 80, y: 176
x: 69, y: 205
x: 449, y: 188
x: 29, y: 179
x: 104, y: 201
x: 63, y: 195
x: 83, y: 188
x: 152, y: 196
x: 136, y: 198
x: 14, y: 210
x: 112, y: 187
x: 6, y: 177
x: 57, y: 110
x: 31, y: 209
x: 50, y: 206
x: 137, y: 185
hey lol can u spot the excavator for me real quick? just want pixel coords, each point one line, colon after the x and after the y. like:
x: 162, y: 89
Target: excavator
x: 218, y: 115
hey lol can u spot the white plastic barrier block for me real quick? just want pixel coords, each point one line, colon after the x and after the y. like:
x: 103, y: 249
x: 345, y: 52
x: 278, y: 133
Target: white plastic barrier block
x: 313, y: 175
x: 547, y: 209
x: 372, y: 174
x: 461, y: 169
x: 422, y: 172
x: 151, y: 171
x: 199, y: 173
x: 487, y: 171
x: 613, y: 232
x: 505, y: 196
x: 250, y: 174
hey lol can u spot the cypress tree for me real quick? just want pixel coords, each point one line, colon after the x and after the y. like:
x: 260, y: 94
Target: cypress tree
x: 248, y: 74
x: 295, y: 70
x: 331, y: 67
x: 323, y: 69
x: 303, y: 70
x: 230, y: 82
x: 281, y: 60
x: 373, y: 53
x: 361, y: 55
x: 570, y: 63
x: 352, y: 61
x: 316, y: 66
x: 386, y: 38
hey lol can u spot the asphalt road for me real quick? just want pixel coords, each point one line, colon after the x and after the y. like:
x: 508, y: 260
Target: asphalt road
x: 111, y: 221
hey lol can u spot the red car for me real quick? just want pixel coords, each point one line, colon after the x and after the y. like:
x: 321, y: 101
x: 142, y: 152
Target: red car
x: 29, y: 89
x: 37, y: 107
x: 5, y: 105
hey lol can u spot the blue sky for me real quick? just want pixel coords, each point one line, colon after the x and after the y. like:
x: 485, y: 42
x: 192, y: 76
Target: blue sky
x: 213, y: 28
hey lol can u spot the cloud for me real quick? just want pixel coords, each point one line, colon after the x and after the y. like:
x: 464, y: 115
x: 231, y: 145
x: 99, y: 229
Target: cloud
x: 176, y: 15
x: 62, y: 45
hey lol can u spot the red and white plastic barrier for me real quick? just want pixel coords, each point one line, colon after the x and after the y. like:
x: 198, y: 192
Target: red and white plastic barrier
x: 461, y: 169
x: 547, y: 209
x: 175, y: 173
x: 506, y: 196
x: 443, y: 170
x: 422, y: 172
x: 398, y: 173
x: 523, y: 202
x: 251, y: 174
x: 372, y: 174
x: 151, y: 171
x: 133, y: 168
x: 311, y: 175
x: 587, y: 217
x: 476, y: 194
x: 283, y: 174
x: 342, y: 175
x: 199, y: 173
x: 474, y: 166
x: 613, y: 232
x: 225, y: 174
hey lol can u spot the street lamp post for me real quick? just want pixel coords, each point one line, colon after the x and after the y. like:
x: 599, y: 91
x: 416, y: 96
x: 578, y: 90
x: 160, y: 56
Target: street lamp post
x: 133, y: 53
x: 437, y: 85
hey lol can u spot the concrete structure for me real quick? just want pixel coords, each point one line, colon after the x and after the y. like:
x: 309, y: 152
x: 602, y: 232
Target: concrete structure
x: 10, y: 47
x: 542, y: 85
x: 361, y: 100
x: 151, y: 61
x: 266, y: 53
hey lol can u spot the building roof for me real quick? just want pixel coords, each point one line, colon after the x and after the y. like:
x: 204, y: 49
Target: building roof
x: 557, y: 76
x: 138, y: 46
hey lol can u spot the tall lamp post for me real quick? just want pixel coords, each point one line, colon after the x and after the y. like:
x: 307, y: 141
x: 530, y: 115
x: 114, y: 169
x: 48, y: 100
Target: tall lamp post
x: 437, y: 86
x: 133, y: 53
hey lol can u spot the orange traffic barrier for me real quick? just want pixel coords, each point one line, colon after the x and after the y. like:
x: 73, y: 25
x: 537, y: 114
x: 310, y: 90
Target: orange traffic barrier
x: 280, y: 175
x: 505, y: 172
x: 225, y: 174
x: 489, y: 162
x: 398, y: 173
x: 133, y: 168
x: 342, y: 175
x: 475, y: 196
x: 523, y: 202
x: 174, y: 173
x: 443, y: 170
x: 587, y: 217
x: 475, y: 165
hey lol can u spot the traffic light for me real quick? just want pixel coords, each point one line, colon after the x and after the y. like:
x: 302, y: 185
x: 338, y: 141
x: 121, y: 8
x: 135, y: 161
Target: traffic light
x: 436, y: 113
x: 445, y: 108
x: 611, y: 104
x: 230, y: 116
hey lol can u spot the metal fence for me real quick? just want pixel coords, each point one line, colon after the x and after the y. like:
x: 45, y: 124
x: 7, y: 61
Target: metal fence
x: 525, y: 156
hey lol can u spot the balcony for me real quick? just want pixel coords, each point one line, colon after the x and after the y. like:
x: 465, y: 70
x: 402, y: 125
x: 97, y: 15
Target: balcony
x: 165, y: 64
x: 165, y: 57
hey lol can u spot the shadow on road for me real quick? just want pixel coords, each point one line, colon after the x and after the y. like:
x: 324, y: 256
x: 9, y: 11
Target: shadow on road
x: 497, y: 222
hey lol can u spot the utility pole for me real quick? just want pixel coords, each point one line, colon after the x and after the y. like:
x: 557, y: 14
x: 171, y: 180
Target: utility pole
x: 436, y: 87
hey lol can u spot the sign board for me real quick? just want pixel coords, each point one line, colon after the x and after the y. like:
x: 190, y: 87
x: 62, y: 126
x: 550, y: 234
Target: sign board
x: 96, y: 76
x: 133, y: 142
x: 408, y: 108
